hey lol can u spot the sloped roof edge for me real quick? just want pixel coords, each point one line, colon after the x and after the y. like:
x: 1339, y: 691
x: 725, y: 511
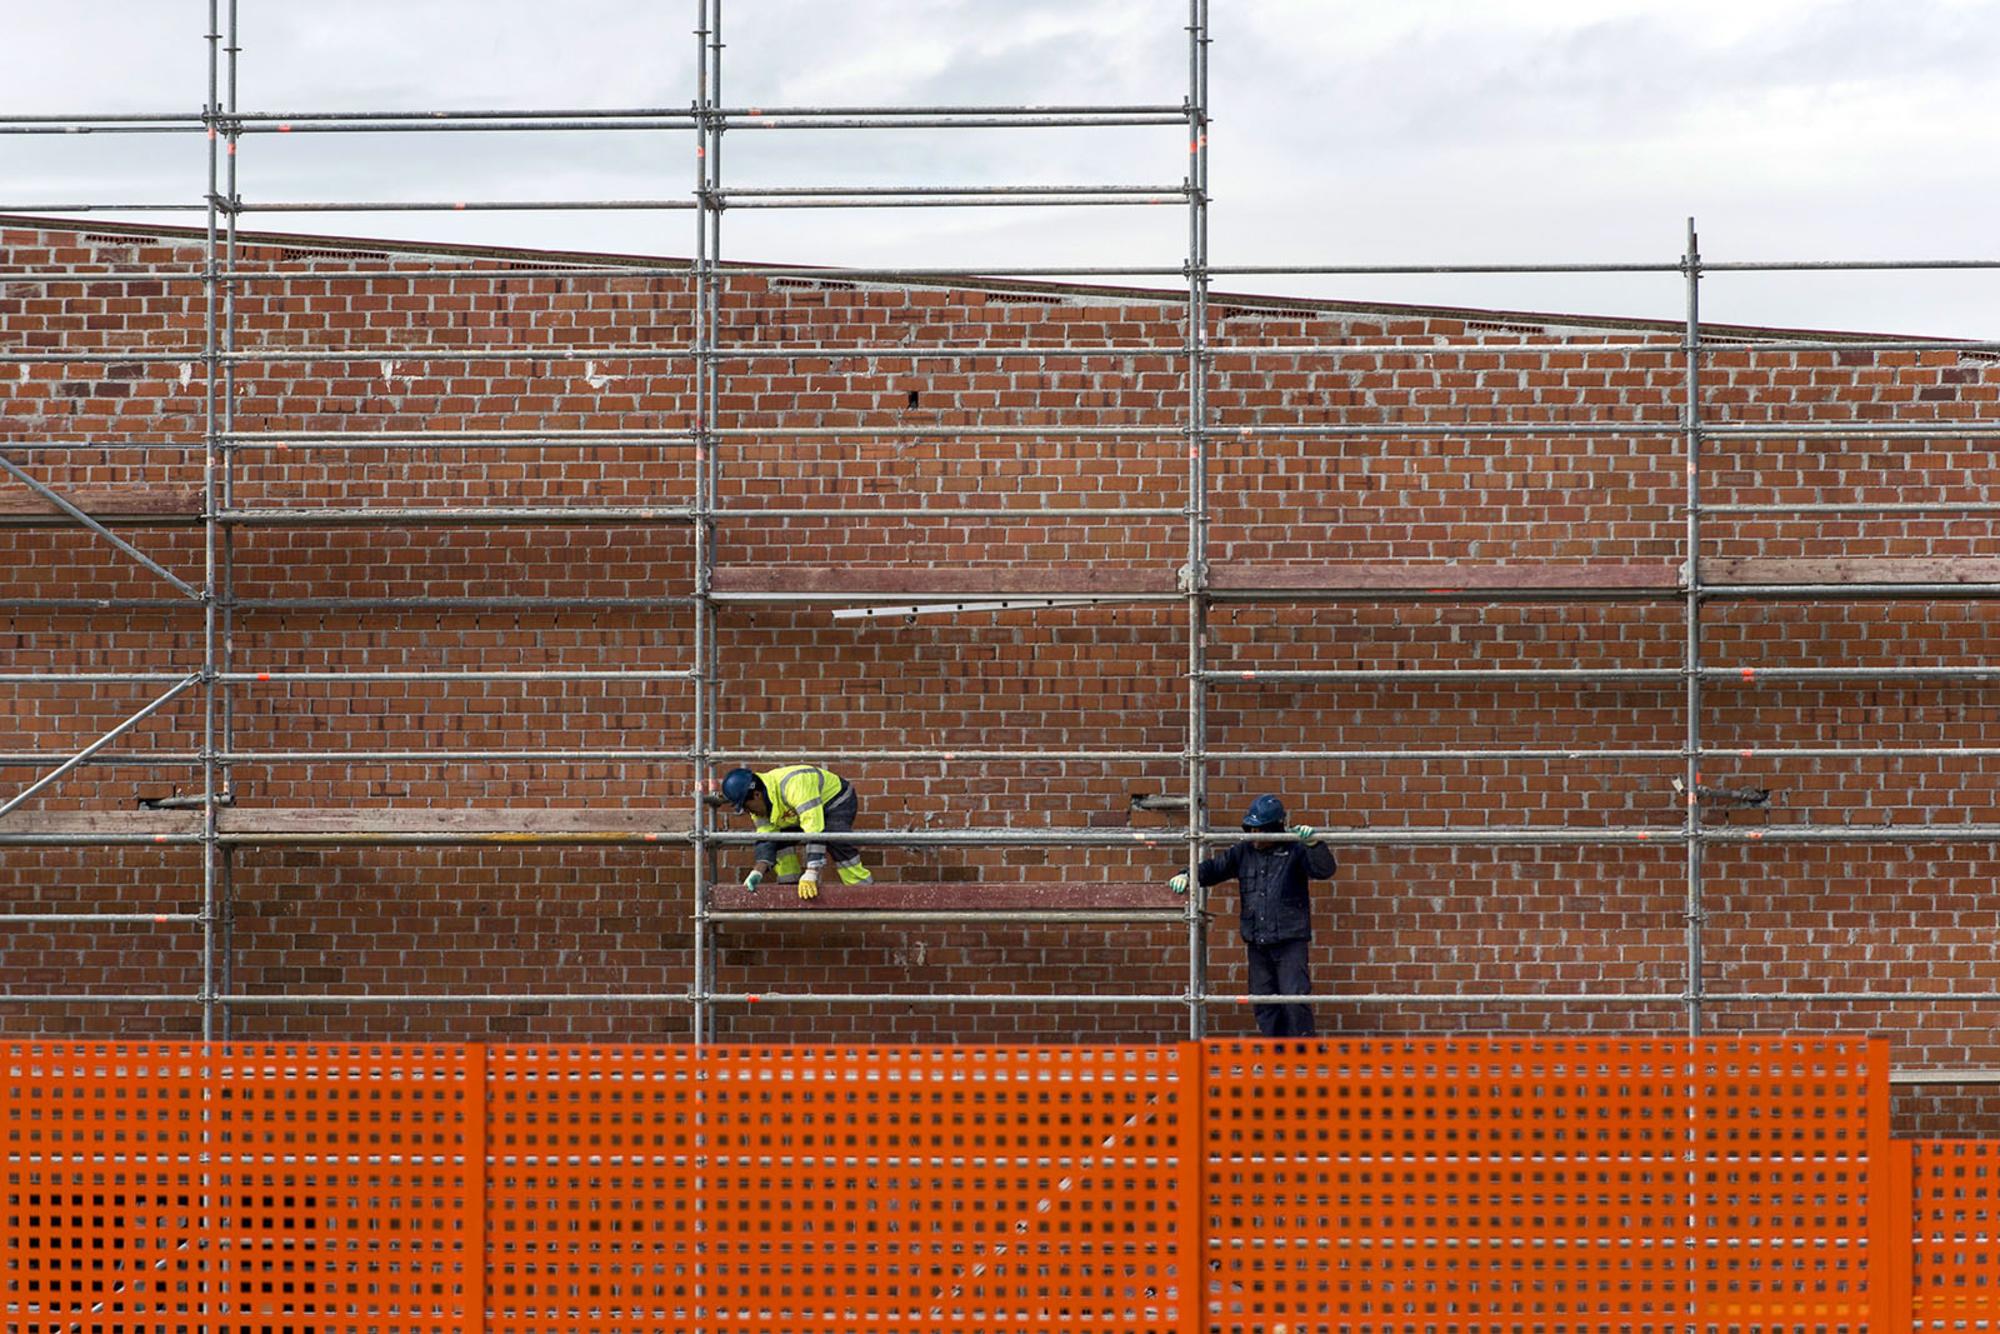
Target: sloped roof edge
x: 969, y: 279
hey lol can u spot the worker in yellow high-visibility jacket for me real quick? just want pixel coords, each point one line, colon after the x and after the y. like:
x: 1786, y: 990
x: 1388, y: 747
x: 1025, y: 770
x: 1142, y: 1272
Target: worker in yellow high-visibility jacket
x: 803, y: 799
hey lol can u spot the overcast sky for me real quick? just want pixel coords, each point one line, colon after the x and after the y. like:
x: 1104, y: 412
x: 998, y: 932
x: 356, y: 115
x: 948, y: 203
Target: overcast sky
x: 1345, y: 131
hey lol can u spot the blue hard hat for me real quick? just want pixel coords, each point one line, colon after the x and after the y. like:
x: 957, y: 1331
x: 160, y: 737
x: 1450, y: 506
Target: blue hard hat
x: 1265, y: 813
x: 737, y: 787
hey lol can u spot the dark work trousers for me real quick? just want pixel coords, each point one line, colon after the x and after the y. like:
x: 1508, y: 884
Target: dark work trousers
x: 1280, y: 970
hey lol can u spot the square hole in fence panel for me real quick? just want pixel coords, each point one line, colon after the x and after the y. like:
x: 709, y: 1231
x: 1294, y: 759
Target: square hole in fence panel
x: 1784, y: 1134
x: 1955, y: 1209
x: 590, y: 1188
x: 1368, y: 1184
x: 920, y: 1187
x: 108, y: 1204
x: 347, y: 1187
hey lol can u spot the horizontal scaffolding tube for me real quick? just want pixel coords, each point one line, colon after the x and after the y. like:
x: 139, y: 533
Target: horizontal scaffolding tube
x: 1178, y: 192
x: 1011, y: 111
x: 1863, y: 507
x: 942, y: 998
x: 410, y: 604
x: 862, y: 598
x: 771, y: 121
x: 1849, y: 592
x: 389, y: 515
x: 670, y: 755
x: 1016, y: 999
x: 1458, y: 998
x: 278, y: 677
x: 627, y: 435
x: 150, y: 918
x: 1103, y: 201
x: 103, y: 208
x: 1855, y: 430
x: 554, y: 674
x: 1447, y: 675
x: 461, y: 127
x: 357, y: 353
x: 464, y: 206
x: 1513, y: 836
x: 863, y: 513
x: 1739, y: 675
x: 1028, y: 917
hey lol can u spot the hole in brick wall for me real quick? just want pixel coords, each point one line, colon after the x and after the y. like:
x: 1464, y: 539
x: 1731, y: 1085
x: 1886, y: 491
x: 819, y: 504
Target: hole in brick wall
x: 1024, y: 298
x: 288, y: 254
x: 811, y: 285
x: 914, y: 397
x: 1226, y: 313
x: 1491, y: 326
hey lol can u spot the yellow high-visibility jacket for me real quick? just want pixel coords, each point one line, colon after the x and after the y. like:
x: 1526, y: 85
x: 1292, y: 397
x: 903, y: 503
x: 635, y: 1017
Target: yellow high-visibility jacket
x: 799, y: 794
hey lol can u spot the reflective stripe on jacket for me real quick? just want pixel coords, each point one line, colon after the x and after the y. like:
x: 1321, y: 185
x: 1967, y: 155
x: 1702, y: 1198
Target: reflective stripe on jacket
x: 799, y: 794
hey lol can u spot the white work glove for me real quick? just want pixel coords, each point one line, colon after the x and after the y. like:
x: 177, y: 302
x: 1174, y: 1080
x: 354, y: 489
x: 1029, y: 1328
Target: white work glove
x: 1179, y: 884
x: 754, y: 879
x: 1305, y: 833
x: 809, y: 884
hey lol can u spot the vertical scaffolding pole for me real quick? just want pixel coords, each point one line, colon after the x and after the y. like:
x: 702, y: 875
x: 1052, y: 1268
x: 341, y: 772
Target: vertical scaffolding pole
x: 1691, y: 656
x: 211, y: 440
x: 226, y: 865
x: 702, y: 534
x: 1197, y: 510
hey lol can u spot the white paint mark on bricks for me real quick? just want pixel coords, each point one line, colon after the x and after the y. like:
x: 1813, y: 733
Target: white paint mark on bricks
x: 592, y: 378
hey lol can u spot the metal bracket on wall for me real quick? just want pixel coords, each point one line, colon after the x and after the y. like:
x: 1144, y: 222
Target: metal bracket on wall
x: 916, y: 609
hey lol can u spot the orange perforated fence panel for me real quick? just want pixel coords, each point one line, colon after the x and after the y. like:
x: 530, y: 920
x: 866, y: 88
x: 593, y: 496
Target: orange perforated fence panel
x: 169, y: 1187
x: 1411, y: 1186
x: 1955, y: 1214
x: 593, y: 1217
x: 1547, y: 1184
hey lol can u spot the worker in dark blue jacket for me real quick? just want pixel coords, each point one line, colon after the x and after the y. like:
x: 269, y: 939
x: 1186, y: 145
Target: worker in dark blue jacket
x: 1277, y: 911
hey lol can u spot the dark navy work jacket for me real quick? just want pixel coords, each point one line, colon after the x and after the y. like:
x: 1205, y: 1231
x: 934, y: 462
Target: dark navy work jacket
x: 1276, y: 903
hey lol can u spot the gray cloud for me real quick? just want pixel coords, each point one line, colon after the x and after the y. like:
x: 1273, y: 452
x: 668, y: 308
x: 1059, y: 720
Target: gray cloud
x: 1446, y: 130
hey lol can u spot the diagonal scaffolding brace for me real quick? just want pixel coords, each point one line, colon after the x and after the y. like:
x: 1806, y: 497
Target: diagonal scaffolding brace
x: 56, y: 498
x: 174, y: 692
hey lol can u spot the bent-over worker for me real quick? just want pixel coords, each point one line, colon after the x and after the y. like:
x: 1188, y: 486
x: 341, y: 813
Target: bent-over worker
x: 1277, y: 911
x: 798, y: 799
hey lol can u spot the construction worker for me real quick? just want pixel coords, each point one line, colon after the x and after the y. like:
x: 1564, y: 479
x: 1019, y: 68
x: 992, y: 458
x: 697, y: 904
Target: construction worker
x: 803, y: 799
x: 1277, y: 911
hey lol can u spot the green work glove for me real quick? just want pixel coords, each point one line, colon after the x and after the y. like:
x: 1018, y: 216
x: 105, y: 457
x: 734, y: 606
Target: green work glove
x: 1305, y: 833
x: 1179, y: 883
x: 754, y: 879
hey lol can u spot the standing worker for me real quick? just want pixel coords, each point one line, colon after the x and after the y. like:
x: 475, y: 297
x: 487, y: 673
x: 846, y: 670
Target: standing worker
x: 1277, y: 911
x: 798, y: 799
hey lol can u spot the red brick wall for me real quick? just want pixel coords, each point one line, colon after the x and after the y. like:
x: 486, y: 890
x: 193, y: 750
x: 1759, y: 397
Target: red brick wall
x: 794, y: 681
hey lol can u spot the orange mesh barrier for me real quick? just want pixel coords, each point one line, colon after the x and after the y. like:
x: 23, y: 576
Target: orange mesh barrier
x: 592, y: 1217
x: 922, y: 1188
x: 1790, y: 1136
x: 1552, y: 1184
x: 242, y: 1187
x: 1414, y: 1186
x: 108, y: 1219
x: 1955, y: 1213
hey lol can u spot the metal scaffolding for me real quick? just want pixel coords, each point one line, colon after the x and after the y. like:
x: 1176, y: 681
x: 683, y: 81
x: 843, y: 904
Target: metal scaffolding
x: 710, y: 438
